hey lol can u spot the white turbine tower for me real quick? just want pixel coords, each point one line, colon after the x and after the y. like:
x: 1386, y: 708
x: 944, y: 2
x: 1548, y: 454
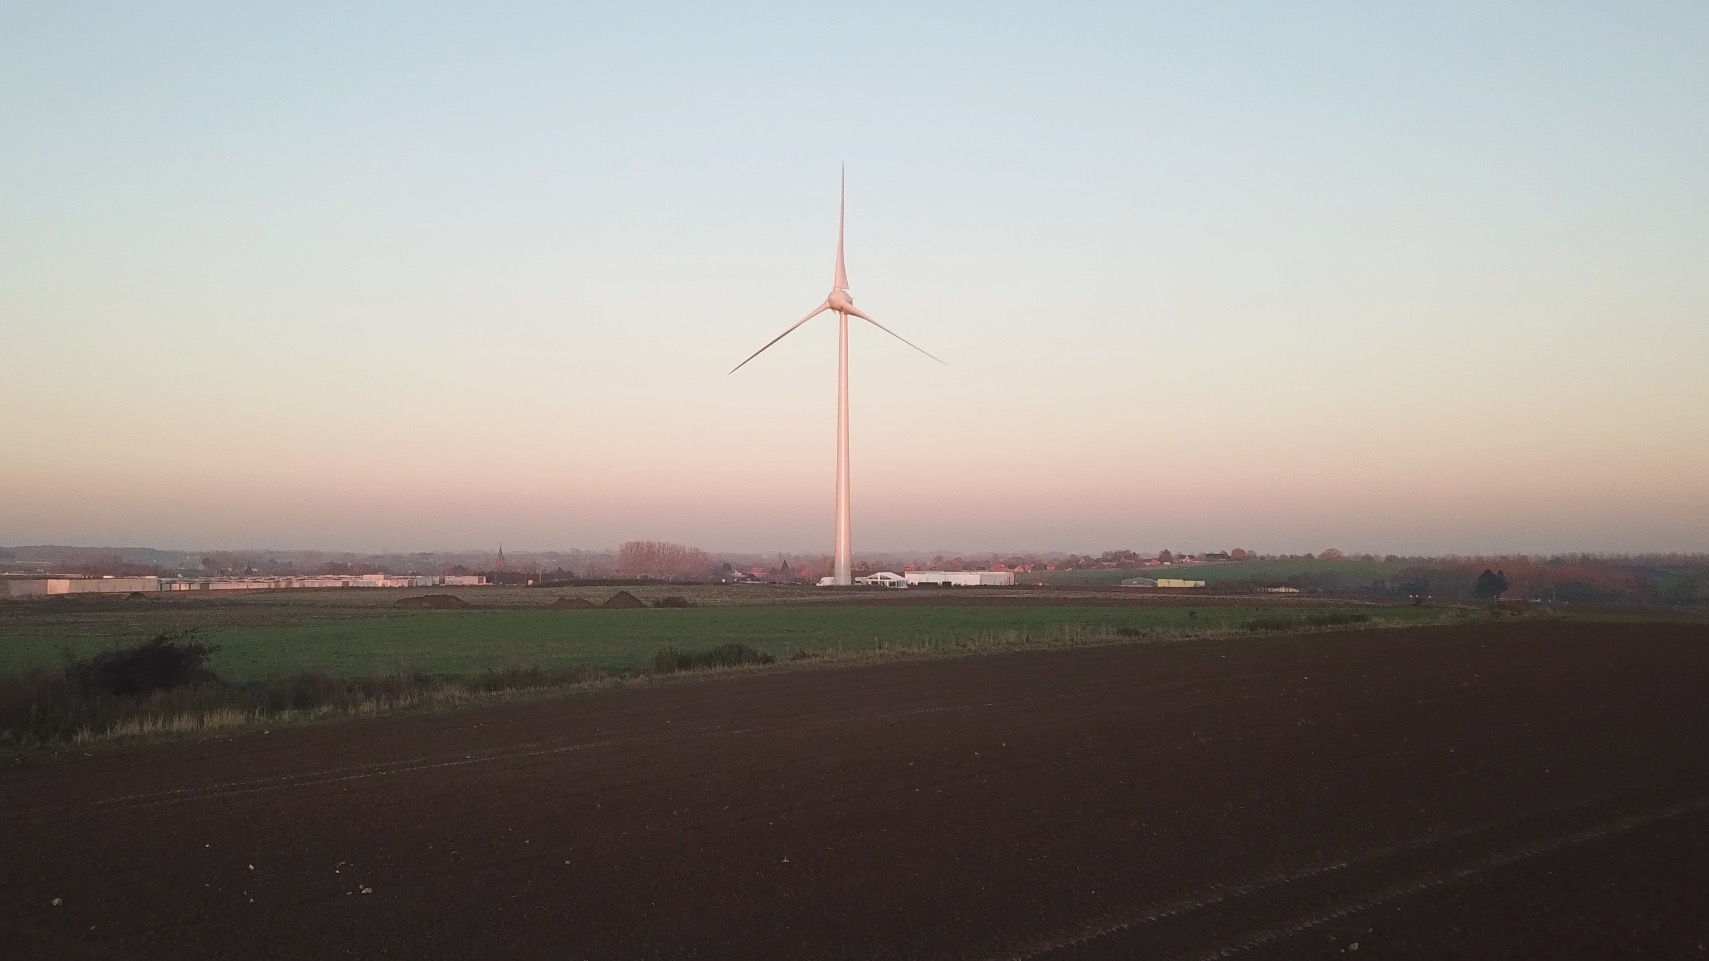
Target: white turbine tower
x: 840, y: 302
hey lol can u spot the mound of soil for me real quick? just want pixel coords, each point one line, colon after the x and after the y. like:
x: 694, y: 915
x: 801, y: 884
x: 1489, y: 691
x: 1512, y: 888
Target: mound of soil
x: 137, y: 596
x: 432, y: 602
x: 624, y: 599
x: 571, y: 604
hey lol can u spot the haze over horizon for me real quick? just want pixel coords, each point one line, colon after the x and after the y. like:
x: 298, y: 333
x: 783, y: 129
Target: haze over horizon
x: 321, y: 277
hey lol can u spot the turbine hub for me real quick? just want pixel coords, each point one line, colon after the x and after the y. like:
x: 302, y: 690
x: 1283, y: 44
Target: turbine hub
x: 840, y: 299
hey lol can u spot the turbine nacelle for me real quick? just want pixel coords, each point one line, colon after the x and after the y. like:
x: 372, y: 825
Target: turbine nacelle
x: 839, y: 300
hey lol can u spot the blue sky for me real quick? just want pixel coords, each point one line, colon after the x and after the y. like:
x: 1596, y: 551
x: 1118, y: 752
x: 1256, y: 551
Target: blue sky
x: 377, y: 275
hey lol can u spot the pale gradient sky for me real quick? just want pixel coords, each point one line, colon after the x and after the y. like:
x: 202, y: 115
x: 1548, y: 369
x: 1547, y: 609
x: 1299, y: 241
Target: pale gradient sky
x: 1206, y: 275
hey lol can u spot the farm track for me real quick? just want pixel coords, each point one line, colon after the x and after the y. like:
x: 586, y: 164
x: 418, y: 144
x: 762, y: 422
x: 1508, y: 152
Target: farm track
x: 1526, y: 789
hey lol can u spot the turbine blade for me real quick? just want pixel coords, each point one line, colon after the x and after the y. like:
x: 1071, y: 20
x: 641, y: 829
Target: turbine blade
x: 816, y: 312
x: 851, y: 310
x: 841, y: 280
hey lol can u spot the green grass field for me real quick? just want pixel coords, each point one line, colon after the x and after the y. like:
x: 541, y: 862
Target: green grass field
x: 1350, y: 572
x: 360, y: 633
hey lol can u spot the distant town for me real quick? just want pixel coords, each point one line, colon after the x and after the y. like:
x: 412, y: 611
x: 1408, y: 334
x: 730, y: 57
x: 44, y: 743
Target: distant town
x: 1670, y: 579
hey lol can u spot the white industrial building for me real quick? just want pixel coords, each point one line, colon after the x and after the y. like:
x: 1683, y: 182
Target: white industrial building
x: 882, y: 579
x: 276, y: 583
x: 55, y: 586
x: 1161, y: 582
x: 961, y: 578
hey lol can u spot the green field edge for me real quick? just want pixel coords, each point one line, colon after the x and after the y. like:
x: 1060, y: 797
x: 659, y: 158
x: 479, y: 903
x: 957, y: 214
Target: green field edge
x: 168, y: 728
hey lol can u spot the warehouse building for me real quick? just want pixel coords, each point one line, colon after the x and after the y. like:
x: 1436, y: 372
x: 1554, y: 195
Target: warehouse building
x: 1175, y: 582
x: 26, y: 587
x: 277, y: 583
x: 55, y: 586
x: 882, y: 579
x: 961, y: 578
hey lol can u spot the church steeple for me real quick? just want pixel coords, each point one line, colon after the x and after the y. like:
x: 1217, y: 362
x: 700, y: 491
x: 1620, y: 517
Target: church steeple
x: 500, y: 567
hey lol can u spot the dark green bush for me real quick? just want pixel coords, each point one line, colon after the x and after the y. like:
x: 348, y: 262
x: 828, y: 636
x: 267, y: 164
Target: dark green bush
x: 527, y: 678
x: 167, y: 677
x: 670, y: 660
x: 1282, y: 622
x: 1335, y: 619
x: 164, y: 662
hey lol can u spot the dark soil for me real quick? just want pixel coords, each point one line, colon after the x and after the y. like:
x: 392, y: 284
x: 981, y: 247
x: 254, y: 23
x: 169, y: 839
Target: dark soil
x: 571, y: 604
x: 1498, y: 790
x: 433, y: 602
x: 623, y: 600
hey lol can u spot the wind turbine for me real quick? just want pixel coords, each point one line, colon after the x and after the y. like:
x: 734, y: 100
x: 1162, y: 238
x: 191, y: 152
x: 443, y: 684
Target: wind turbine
x: 842, y: 304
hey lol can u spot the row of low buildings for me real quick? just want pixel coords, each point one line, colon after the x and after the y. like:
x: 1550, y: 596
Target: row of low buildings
x: 23, y: 587
x: 1168, y: 582
x: 54, y: 586
x: 275, y: 583
x: 933, y: 579
x: 1180, y: 582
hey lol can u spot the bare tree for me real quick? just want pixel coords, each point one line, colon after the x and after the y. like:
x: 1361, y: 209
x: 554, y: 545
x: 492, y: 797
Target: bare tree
x: 662, y: 559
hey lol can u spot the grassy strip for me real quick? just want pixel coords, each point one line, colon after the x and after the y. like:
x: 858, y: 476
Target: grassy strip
x: 1280, y: 622
x: 670, y: 660
x: 48, y: 710
x: 45, y: 709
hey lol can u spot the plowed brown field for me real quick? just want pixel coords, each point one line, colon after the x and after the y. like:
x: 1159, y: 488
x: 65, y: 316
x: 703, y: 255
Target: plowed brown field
x: 1506, y: 790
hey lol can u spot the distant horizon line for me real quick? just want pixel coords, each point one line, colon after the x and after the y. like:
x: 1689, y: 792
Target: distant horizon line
x: 912, y: 552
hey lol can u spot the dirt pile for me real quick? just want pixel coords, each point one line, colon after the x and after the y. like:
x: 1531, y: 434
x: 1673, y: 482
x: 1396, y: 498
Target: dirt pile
x: 571, y: 604
x: 625, y: 600
x: 432, y: 602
